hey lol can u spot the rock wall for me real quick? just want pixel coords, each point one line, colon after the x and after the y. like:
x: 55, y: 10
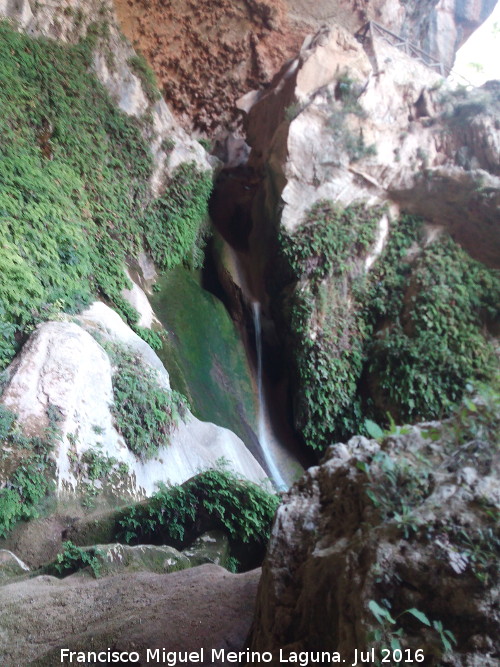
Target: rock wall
x: 424, y: 137
x: 380, y: 528
x: 353, y: 125
x: 439, y: 27
x: 207, y: 56
x: 63, y: 366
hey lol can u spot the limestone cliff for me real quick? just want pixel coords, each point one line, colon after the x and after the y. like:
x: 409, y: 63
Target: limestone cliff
x: 206, y: 56
x: 391, y: 544
x: 352, y: 138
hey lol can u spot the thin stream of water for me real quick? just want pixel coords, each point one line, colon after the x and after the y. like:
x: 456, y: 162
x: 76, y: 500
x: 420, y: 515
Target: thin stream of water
x: 276, y: 477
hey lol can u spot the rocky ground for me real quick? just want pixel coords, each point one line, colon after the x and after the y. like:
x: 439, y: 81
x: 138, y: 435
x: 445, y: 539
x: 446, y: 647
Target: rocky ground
x: 201, y: 607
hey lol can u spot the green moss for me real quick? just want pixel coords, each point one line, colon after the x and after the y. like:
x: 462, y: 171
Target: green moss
x: 203, y: 353
x: 74, y: 188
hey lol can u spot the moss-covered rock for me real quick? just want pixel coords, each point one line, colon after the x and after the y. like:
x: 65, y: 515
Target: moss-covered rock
x: 110, y: 559
x: 211, y: 547
x: 204, y: 354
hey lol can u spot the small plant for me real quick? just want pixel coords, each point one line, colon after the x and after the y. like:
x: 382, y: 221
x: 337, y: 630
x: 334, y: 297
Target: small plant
x: 206, y: 143
x: 348, y: 91
x: 388, y: 635
x: 139, y: 65
x: 75, y: 558
x: 396, y: 488
x: 167, y: 145
x: 97, y: 465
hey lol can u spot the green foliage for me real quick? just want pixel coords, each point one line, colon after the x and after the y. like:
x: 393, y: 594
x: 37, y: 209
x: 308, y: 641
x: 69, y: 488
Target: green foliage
x: 145, y: 413
x: 424, y: 359
x: 27, y: 468
x: 329, y: 240
x: 206, y: 143
x: 324, y: 254
x: 7, y: 339
x: 477, y: 548
x: 293, y: 110
x: 177, y: 228
x: 373, y: 429
x: 474, y: 421
x: 98, y: 466
x: 426, y: 309
x: 74, y: 188
x: 240, y: 507
x: 471, y: 438
x: 74, y: 558
x: 168, y: 145
x: 347, y: 93
x: 152, y: 338
x: 139, y: 66
x: 388, y: 635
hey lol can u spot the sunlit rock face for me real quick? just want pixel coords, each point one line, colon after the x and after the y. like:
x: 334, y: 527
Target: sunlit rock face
x: 64, y: 366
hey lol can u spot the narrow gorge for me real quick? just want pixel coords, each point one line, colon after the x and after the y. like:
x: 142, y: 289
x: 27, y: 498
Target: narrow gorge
x: 249, y: 318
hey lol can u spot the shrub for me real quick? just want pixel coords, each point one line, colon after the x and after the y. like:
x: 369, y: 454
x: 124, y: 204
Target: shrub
x: 240, y: 507
x: 145, y: 412
x: 31, y: 476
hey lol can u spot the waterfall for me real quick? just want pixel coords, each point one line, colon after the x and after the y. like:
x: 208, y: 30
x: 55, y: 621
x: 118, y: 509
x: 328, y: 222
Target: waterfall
x: 263, y: 428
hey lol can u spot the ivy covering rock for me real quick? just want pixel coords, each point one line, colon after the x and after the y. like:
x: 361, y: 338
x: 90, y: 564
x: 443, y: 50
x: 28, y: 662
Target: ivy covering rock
x: 75, y: 199
x: 403, y: 338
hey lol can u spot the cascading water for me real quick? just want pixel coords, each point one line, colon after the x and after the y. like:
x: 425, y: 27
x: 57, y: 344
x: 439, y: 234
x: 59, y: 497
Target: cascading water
x: 262, y: 425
